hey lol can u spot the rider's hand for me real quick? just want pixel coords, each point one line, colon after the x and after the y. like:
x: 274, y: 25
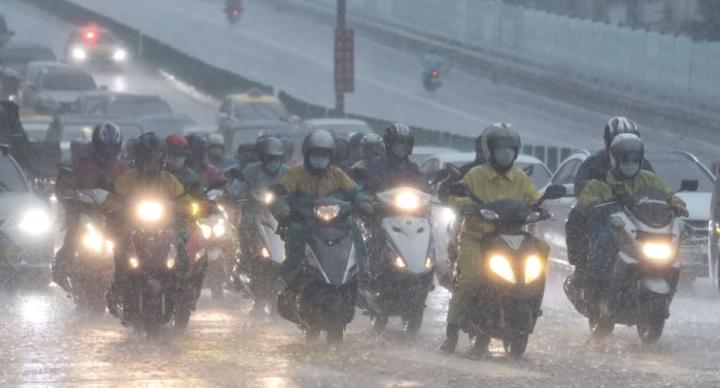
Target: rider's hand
x: 620, y: 190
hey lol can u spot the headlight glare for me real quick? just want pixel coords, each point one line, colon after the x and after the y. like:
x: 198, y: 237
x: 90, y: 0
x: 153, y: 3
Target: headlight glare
x: 448, y: 215
x: 35, y: 222
x: 533, y: 268
x: 500, y: 265
x: 219, y: 229
x: 79, y: 54
x: 407, y: 200
x: 661, y: 251
x: 150, y: 211
x: 399, y: 263
x: 120, y: 55
x: 327, y: 213
x: 134, y: 263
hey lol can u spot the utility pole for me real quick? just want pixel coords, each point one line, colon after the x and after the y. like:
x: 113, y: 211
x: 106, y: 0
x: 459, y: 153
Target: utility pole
x: 344, y: 58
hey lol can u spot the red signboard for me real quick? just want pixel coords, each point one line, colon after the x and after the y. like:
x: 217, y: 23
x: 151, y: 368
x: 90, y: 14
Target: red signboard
x: 344, y: 60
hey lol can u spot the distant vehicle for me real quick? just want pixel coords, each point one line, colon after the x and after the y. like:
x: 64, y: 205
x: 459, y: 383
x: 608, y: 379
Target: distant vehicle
x: 251, y: 106
x: 5, y: 32
x: 673, y: 167
x: 94, y: 45
x: 14, y: 57
x: 248, y: 132
x: 338, y: 126
x: 27, y: 242
x: 233, y: 11
x: 66, y: 129
x: 36, y: 126
x: 54, y: 87
x: 114, y: 104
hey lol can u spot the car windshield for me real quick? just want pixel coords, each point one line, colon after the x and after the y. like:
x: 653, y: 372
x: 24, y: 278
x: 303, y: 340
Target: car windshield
x: 10, y: 177
x: 27, y: 55
x: 138, y: 107
x: 260, y: 111
x: 674, y: 169
x: 68, y: 81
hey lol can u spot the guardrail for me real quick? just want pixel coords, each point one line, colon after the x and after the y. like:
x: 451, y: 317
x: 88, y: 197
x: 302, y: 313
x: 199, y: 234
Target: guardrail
x: 219, y: 82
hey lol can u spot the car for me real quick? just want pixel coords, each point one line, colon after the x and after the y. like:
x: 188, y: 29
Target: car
x: 52, y: 87
x: 248, y: 132
x: 26, y: 231
x: 35, y: 126
x: 94, y: 45
x: 251, y: 106
x: 5, y: 32
x: 672, y: 167
x: 338, y: 126
x: 117, y: 105
x: 14, y: 58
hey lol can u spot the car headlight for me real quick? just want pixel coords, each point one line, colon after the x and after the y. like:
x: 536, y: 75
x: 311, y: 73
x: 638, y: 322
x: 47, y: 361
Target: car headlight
x: 79, y: 54
x: 448, y: 215
x: 35, y: 222
x: 533, y: 268
x: 407, y: 200
x: 327, y: 213
x: 500, y: 265
x: 660, y: 251
x: 428, y: 263
x: 119, y: 55
x: 150, y: 211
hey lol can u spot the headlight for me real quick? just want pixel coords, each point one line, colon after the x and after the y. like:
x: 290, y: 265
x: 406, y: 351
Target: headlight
x: 170, y: 263
x: 717, y: 228
x: 399, y: 263
x: 268, y: 198
x: 79, y: 54
x: 448, y: 215
x: 134, y: 263
x: 327, y: 213
x: 501, y: 266
x: 35, y: 222
x: 219, y: 229
x: 489, y: 215
x: 660, y: 251
x: 428, y: 263
x: 150, y: 211
x: 120, y: 55
x: 206, y: 230
x: 407, y: 200
x: 533, y: 268
x: 95, y: 241
x: 265, y: 253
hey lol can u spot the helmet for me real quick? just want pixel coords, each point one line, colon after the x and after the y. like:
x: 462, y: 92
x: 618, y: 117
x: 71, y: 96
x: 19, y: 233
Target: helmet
x: 177, y: 145
x: 318, y: 148
x: 400, y: 137
x: 371, y: 146
x: 616, y: 126
x: 216, y: 139
x: 504, y: 138
x: 269, y: 146
x: 198, y: 147
x: 150, y: 152
x: 626, y: 155
x: 107, y: 141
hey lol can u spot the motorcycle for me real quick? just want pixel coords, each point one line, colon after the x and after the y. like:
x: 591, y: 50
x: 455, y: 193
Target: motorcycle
x: 431, y: 80
x: 403, y: 273
x: 512, y: 286
x: 93, y: 260
x: 233, y: 13
x: 152, y: 294
x: 219, y: 234
x: 257, y: 272
x: 323, y: 295
x: 646, y: 270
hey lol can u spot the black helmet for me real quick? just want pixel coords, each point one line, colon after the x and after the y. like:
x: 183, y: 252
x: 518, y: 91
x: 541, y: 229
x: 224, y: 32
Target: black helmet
x: 616, y: 126
x: 501, y: 136
x: 399, y: 134
x: 319, y: 144
x: 107, y: 141
x: 626, y: 155
x: 198, y: 150
x: 150, y: 152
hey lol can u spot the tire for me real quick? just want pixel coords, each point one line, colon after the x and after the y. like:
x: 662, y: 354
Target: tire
x: 379, y: 322
x: 414, y: 320
x: 516, y: 346
x: 601, y: 327
x: 479, y: 344
x: 182, y: 316
x: 650, y: 333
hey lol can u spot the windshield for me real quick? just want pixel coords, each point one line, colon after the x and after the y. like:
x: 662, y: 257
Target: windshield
x: 68, y: 81
x: 10, y: 177
x: 138, y: 107
x: 27, y: 55
x: 260, y: 111
x: 674, y: 170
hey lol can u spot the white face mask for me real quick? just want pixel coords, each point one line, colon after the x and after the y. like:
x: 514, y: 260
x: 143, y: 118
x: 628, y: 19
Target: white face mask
x: 319, y: 162
x: 504, y: 157
x: 629, y: 169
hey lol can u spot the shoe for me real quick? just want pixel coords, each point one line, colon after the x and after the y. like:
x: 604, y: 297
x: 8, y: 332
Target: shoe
x: 452, y: 334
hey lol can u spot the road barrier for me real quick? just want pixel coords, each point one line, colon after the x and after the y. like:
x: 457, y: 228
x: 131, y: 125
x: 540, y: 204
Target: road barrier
x: 218, y: 82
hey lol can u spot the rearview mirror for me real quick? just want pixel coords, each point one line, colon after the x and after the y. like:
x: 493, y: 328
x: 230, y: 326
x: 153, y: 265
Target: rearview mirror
x: 460, y: 190
x: 554, y: 192
x: 689, y: 185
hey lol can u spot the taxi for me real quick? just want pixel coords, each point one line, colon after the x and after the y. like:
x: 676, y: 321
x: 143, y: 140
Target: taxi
x: 95, y: 45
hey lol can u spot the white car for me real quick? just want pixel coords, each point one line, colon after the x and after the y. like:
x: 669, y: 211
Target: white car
x: 51, y: 87
x: 673, y: 167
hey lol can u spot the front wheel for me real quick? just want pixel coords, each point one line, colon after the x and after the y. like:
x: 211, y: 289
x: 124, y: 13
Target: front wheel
x: 413, y: 321
x: 650, y: 332
x: 517, y: 345
x: 379, y: 322
x: 601, y: 326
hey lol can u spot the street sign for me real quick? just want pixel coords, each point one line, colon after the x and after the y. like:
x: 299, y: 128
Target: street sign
x: 344, y: 60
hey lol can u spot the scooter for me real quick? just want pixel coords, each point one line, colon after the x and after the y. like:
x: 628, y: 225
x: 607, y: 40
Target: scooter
x: 220, y: 237
x: 402, y: 276
x: 431, y: 80
x: 234, y: 13
x: 645, y: 274
x: 512, y: 276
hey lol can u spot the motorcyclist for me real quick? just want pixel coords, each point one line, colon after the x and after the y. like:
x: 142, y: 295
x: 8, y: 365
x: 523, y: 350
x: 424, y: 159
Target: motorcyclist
x: 431, y: 61
x: 496, y: 180
x: 354, y: 141
x: 99, y: 170
x: 341, y: 157
x: 245, y: 155
x: 216, y: 151
x: 177, y: 153
x: 199, y: 161
x: 315, y: 178
x: 626, y: 153
x: 596, y: 166
x: 147, y: 178
x: 371, y: 147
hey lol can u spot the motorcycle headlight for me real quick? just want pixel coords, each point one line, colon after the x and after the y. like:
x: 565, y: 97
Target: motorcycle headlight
x: 657, y: 250
x: 428, y: 263
x: 219, y: 229
x: 327, y: 213
x: 265, y: 253
x: 120, y: 55
x: 35, y: 222
x: 134, y: 263
x: 268, y: 198
x: 533, y: 268
x: 170, y: 263
x: 79, y: 54
x: 92, y: 239
x: 500, y: 265
x: 400, y: 263
x: 448, y: 215
x: 407, y: 200
x: 206, y: 230
x: 150, y: 211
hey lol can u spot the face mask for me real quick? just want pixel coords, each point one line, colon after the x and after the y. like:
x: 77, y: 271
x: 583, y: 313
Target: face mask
x: 175, y: 163
x: 271, y: 167
x: 400, y: 150
x: 629, y: 169
x: 505, y: 157
x: 319, y: 162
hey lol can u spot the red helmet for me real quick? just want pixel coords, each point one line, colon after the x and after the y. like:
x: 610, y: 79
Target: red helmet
x: 177, y: 144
